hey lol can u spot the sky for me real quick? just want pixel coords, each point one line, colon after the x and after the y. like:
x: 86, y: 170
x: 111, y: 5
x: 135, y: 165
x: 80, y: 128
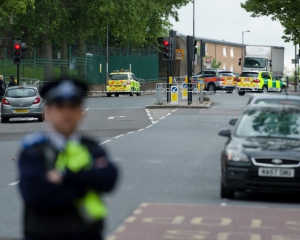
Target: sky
x: 225, y: 19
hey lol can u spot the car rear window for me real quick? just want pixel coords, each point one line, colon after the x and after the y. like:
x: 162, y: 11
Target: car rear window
x: 278, y: 101
x: 226, y: 74
x: 249, y: 74
x: 118, y: 77
x: 21, y: 93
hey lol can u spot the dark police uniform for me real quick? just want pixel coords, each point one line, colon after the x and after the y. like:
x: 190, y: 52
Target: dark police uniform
x: 55, y: 211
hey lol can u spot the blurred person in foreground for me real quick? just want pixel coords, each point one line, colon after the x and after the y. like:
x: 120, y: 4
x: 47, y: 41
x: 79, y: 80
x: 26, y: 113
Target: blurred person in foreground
x: 62, y: 173
x: 12, y: 81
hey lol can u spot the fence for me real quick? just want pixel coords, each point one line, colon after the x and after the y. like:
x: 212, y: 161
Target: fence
x: 92, y: 68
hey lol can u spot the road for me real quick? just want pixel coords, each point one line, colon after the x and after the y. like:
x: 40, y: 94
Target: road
x: 170, y: 174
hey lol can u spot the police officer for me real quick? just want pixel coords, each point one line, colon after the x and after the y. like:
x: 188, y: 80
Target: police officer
x: 63, y: 173
x: 12, y: 81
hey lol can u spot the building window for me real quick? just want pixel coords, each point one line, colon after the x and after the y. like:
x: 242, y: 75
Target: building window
x: 224, y: 67
x: 206, y: 49
x: 232, y: 52
x: 232, y: 68
x: 224, y: 51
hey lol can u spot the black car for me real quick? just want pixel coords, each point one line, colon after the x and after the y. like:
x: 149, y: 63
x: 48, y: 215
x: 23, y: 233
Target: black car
x: 263, y: 151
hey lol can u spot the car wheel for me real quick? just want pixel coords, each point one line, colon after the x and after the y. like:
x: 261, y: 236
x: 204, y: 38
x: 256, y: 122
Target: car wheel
x: 229, y: 91
x: 225, y: 193
x: 211, y: 87
x: 265, y: 89
x: 131, y: 94
x: 138, y: 94
x: 116, y: 94
x: 241, y: 93
x: 4, y: 120
x: 41, y: 118
x: 283, y: 89
x: 108, y: 94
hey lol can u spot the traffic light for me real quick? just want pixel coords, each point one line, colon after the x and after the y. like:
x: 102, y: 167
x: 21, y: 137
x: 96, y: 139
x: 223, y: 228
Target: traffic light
x: 191, y: 47
x: 23, y: 49
x: 240, y: 61
x: 167, y: 49
x: 17, y: 49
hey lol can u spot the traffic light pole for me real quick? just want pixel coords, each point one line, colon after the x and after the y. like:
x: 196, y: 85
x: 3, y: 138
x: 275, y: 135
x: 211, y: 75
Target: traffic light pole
x: 168, y: 85
x: 18, y: 74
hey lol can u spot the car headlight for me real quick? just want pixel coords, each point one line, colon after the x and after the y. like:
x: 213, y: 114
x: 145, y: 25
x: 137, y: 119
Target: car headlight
x: 236, y: 156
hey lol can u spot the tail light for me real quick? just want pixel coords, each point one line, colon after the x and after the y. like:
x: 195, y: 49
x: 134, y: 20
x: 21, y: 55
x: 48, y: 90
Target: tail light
x: 256, y: 80
x: 221, y: 79
x: 239, y: 79
x: 37, y: 100
x: 5, y: 102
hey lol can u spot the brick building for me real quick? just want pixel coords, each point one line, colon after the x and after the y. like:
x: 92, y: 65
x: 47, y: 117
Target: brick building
x: 228, y: 53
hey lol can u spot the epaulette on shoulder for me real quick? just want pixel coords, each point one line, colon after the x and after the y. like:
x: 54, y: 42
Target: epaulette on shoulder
x: 33, y: 139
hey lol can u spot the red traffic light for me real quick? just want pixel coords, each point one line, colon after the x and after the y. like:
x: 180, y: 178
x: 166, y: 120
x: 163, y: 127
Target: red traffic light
x: 166, y: 43
x: 17, y: 46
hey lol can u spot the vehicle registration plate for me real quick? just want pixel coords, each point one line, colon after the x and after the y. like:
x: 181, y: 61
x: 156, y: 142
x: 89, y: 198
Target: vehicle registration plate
x: 21, y: 111
x: 276, y: 172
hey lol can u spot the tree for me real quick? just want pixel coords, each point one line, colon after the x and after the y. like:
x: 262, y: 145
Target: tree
x: 215, y: 63
x: 284, y: 11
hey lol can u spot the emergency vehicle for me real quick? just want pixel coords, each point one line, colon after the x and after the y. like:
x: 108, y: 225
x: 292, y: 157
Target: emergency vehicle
x: 255, y: 81
x: 216, y: 79
x: 122, y: 82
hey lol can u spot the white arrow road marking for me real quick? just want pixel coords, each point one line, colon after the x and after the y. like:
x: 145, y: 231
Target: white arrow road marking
x: 116, y: 117
x: 13, y: 183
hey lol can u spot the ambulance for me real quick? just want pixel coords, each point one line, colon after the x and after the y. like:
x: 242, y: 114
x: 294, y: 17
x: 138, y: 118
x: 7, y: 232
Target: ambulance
x: 255, y: 81
x: 122, y: 82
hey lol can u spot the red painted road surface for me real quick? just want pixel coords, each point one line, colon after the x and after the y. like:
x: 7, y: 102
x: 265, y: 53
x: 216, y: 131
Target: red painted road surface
x: 187, y: 222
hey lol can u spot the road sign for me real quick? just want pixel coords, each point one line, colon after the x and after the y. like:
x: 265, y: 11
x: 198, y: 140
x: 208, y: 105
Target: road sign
x: 179, y: 54
x: 174, y: 95
x: 184, y: 85
x: 293, y: 61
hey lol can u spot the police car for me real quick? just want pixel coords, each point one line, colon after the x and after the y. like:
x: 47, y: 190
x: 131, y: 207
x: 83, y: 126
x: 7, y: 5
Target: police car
x: 259, y: 81
x: 122, y: 82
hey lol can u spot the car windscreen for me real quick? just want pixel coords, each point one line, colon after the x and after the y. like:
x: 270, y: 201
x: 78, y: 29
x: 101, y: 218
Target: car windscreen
x: 249, y: 74
x: 21, y: 92
x: 118, y: 77
x: 278, y: 101
x: 270, y: 122
x: 251, y: 62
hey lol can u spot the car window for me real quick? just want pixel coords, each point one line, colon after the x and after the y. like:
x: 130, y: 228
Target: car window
x: 265, y: 75
x: 212, y: 74
x: 278, y: 101
x: 270, y: 122
x: 21, y: 92
x: 273, y: 76
x: 118, y: 77
x: 226, y: 74
x: 249, y: 74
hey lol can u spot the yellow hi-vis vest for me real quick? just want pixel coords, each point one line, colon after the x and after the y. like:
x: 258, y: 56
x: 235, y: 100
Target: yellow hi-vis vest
x: 77, y: 157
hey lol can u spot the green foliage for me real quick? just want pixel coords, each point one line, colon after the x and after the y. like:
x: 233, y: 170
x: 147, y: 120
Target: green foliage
x: 284, y: 11
x: 215, y: 63
x: 134, y: 22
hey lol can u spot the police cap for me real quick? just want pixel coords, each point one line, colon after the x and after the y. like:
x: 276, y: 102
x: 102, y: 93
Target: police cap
x: 60, y: 91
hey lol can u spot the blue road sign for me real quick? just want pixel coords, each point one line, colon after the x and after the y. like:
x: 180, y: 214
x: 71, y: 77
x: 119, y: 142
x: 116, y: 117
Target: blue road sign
x: 184, y: 85
x: 200, y: 81
x: 174, y: 89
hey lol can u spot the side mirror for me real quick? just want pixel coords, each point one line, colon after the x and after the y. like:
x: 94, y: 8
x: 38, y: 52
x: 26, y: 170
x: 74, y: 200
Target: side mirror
x: 233, y: 121
x: 225, y: 132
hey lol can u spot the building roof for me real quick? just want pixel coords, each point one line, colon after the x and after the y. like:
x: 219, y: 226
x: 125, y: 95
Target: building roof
x: 216, y: 41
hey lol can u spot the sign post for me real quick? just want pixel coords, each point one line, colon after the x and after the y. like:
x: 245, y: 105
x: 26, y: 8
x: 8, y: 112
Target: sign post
x: 174, y: 95
x: 184, y: 91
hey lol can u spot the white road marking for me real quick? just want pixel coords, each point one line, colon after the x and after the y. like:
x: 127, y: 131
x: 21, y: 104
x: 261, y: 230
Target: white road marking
x: 149, y: 126
x: 85, y: 110
x: 223, y: 204
x: 119, y: 136
x: 140, y: 129
x: 14, y: 183
x: 116, y: 117
x: 130, y: 132
x: 105, y: 142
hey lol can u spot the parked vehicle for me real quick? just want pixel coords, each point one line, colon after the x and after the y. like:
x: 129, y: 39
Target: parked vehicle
x: 262, y: 151
x: 254, y: 81
x: 264, y: 58
x: 122, y: 82
x: 282, y: 99
x: 216, y: 79
x: 22, y: 102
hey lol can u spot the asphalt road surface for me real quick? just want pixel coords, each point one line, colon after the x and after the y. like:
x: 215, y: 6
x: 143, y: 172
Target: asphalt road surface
x: 170, y: 174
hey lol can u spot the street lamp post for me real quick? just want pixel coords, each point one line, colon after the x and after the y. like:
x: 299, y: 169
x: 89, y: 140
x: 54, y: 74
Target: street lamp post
x: 242, y: 62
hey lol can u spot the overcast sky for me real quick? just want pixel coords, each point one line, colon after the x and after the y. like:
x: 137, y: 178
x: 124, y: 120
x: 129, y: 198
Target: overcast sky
x: 219, y: 19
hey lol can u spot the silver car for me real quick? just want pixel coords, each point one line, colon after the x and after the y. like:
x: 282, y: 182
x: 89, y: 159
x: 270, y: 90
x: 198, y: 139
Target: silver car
x: 22, y: 102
